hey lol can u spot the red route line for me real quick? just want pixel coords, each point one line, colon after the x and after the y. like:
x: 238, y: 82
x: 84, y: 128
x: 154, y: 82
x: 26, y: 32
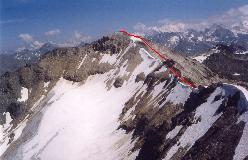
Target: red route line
x: 172, y: 69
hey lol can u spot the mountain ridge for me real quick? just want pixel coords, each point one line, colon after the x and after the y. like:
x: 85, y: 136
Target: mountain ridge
x: 70, y: 93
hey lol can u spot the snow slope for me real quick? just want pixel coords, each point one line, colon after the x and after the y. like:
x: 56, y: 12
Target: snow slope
x: 80, y: 123
x: 194, y: 132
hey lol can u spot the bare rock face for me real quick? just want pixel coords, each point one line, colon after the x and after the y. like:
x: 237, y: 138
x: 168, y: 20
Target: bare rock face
x: 104, y: 44
x: 118, y: 82
x: 140, y: 77
x: 228, y: 66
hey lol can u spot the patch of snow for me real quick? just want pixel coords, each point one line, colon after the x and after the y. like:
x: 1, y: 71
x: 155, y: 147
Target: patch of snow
x: 215, y: 50
x: 206, y: 112
x: 157, y: 90
x: 67, y: 85
x: 241, y: 151
x: 245, y: 52
x: 141, y: 91
x: 142, y: 50
x: 179, y: 94
x: 81, y: 63
x: 119, y: 56
x: 107, y: 58
x: 146, y: 66
x: 5, y: 132
x: 200, y: 38
x: 24, y: 95
x: 46, y: 84
x: 174, y: 39
x: 93, y: 59
x: 18, y: 130
x: 4, y: 129
x: 201, y: 58
x: 134, y: 39
x: 236, y: 74
x: 37, y: 103
x: 162, y: 69
x: 128, y: 113
x: 174, y: 132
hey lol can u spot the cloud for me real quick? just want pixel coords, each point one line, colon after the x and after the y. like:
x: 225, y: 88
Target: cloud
x: 140, y: 26
x: 29, y: 40
x: 26, y: 37
x: 76, y: 39
x: 170, y: 26
x: 80, y: 37
x: 33, y: 46
x: 235, y: 17
x: 52, y: 32
x: 20, y: 49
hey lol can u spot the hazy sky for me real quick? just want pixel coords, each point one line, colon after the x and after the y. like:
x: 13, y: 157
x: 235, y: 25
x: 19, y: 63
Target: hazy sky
x: 27, y: 21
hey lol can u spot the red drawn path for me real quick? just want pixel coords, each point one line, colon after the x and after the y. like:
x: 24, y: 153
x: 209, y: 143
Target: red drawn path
x: 162, y: 58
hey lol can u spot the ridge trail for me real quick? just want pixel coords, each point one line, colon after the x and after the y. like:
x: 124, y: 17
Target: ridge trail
x: 162, y: 58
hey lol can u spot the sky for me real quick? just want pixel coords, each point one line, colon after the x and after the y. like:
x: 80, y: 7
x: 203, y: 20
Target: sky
x: 33, y: 22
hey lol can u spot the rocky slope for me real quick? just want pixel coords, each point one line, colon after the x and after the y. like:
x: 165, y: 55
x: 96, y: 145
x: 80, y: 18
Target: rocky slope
x: 228, y: 61
x: 111, y: 100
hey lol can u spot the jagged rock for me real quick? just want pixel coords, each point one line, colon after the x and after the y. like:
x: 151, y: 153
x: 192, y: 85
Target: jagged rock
x: 74, y: 78
x: 140, y: 77
x: 102, y: 46
x: 227, y: 66
x: 15, y: 109
x: 118, y: 82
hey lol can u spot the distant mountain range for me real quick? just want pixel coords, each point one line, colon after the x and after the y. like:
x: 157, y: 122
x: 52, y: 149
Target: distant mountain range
x: 193, y: 42
x: 190, y: 43
x: 13, y: 60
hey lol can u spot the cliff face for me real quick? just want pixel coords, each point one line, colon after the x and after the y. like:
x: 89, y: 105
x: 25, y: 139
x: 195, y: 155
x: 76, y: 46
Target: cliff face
x: 111, y: 100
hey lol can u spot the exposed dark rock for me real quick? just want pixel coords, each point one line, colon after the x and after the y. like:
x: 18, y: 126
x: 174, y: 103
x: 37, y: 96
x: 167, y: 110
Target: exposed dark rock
x: 194, y: 101
x: 152, y: 78
x: 150, y: 149
x: 102, y: 46
x: 227, y: 65
x: 140, y: 126
x: 140, y: 77
x: 218, y: 97
x: 222, y: 138
x: 169, y: 63
x: 118, y: 82
x: 246, y: 158
x: 74, y: 78
x: 15, y: 109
